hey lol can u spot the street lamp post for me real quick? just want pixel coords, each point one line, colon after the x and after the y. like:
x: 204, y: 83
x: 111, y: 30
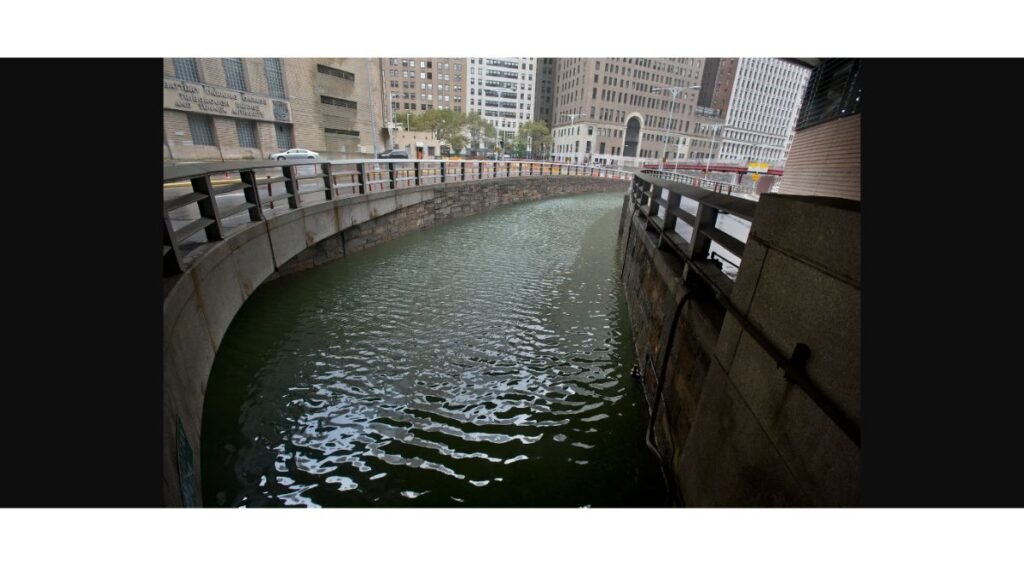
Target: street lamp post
x: 572, y: 123
x: 716, y: 127
x: 674, y: 90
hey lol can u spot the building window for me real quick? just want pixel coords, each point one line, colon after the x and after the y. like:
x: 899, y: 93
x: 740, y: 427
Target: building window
x: 284, y: 136
x: 337, y: 102
x: 343, y: 132
x: 335, y: 72
x: 275, y: 78
x: 186, y: 69
x: 247, y: 134
x: 234, y: 72
x: 202, y: 131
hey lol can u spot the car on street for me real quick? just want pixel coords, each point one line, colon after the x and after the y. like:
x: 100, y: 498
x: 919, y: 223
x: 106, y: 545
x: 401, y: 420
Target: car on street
x: 396, y: 153
x: 295, y: 154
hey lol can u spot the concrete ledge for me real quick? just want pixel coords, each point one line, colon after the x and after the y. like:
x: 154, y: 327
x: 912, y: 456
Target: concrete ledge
x: 823, y: 231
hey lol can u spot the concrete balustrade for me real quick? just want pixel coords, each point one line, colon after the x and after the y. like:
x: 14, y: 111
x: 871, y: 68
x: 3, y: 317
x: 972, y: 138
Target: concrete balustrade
x: 199, y: 198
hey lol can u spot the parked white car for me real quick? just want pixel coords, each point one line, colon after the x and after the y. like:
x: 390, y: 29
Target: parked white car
x: 295, y: 154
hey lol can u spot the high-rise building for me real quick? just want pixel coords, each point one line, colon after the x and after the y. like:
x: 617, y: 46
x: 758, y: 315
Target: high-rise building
x: 716, y: 85
x: 249, y: 108
x: 542, y: 102
x: 762, y: 109
x: 420, y: 84
x: 416, y: 85
x: 625, y: 110
x: 502, y: 91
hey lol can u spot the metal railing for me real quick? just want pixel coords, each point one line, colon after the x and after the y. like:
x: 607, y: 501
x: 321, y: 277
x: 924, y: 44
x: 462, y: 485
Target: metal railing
x: 703, y: 183
x: 663, y: 203
x: 206, y: 203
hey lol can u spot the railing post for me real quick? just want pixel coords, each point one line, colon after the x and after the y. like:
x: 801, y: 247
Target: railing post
x: 208, y: 207
x: 651, y: 205
x: 674, y: 199
x: 328, y: 180
x: 172, y: 257
x: 479, y: 170
x: 361, y: 169
x: 416, y: 173
x: 699, y: 243
x: 391, y: 173
x: 444, y: 171
x: 291, y: 185
x: 252, y: 194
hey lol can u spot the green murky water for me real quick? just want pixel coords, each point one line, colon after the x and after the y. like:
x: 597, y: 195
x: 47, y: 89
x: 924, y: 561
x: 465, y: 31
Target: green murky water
x: 480, y: 363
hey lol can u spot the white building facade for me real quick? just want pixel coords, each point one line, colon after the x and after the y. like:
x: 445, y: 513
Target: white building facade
x: 762, y: 113
x: 502, y: 91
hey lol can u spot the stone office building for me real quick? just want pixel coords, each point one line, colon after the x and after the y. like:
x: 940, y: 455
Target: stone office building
x: 218, y: 109
x: 606, y: 110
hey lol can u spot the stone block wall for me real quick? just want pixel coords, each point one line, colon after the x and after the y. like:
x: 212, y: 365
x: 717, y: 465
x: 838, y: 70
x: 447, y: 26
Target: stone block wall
x: 731, y: 429
x: 443, y: 203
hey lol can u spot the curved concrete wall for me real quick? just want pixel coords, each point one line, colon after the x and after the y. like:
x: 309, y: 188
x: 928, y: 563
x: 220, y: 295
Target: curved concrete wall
x: 200, y: 303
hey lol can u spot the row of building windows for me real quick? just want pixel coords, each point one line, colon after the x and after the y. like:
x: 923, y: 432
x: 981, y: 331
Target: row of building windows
x: 201, y: 127
x: 234, y: 74
x: 423, y: 63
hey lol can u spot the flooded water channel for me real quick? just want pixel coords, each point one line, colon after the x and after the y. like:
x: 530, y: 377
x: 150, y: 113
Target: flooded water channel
x: 480, y: 363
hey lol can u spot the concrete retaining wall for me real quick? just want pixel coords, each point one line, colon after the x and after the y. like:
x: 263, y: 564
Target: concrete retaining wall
x: 732, y: 430
x: 200, y: 304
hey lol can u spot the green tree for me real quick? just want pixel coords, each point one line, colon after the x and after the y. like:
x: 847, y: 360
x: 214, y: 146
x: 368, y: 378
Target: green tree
x: 479, y: 128
x: 538, y: 135
x: 405, y: 119
x: 446, y: 125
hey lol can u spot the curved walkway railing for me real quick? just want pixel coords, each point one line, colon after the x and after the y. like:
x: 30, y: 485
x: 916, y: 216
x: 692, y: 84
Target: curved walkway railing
x: 697, y: 220
x: 206, y: 203
x: 705, y: 184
